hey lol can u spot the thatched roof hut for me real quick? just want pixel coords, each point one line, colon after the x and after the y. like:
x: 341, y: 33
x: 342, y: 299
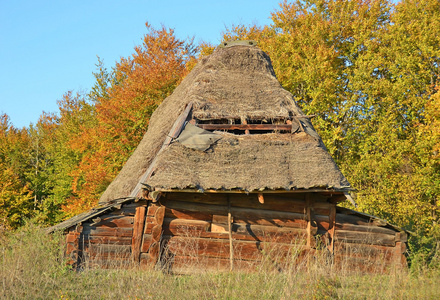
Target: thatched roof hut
x: 229, y: 167
x: 234, y: 85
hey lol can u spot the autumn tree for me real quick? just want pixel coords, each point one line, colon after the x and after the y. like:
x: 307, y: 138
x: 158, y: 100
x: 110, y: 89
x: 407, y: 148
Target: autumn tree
x: 124, y: 100
x: 16, y: 201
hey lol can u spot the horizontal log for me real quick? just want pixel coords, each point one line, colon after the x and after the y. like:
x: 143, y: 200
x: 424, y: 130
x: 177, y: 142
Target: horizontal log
x: 367, y: 238
x: 364, y: 228
x: 294, y: 203
x: 258, y: 127
x: 109, y: 220
x: 72, y: 237
x: 191, y: 228
x: 189, y: 264
x: 187, y: 214
x: 107, y: 250
x: 362, y: 250
x: 358, y: 220
x: 111, y: 240
x: 246, y: 215
x: 219, y: 248
x: 107, y: 231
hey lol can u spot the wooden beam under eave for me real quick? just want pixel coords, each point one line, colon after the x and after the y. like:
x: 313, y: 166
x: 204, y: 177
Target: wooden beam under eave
x: 326, y: 192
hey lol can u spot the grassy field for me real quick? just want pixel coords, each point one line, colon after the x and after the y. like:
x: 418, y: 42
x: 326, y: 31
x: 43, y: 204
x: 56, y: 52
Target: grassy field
x: 32, y: 267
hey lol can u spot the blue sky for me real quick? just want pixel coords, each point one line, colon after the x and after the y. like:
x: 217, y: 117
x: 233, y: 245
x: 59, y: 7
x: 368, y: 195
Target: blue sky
x: 50, y: 47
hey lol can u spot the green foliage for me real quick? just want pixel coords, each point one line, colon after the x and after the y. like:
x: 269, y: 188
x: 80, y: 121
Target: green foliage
x: 369, y: 70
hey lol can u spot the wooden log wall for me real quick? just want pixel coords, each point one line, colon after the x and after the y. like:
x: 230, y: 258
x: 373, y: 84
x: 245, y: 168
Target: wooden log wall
x: 273, y: 229
x: 185, y: 232
x: 367, y: 244
x: 104, y: 241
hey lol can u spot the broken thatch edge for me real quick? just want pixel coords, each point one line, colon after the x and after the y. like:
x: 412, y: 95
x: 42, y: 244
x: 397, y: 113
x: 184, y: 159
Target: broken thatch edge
x: 85, y: 216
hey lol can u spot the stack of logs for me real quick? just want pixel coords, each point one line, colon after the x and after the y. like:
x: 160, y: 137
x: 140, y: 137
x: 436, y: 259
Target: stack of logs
x: 186, y: 232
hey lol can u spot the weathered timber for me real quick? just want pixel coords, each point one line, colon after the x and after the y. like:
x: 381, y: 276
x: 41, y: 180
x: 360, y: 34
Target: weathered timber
x: 105, y: 250
x: 367, y: 238
x: 312, y: 226
x: 363, y: 250
x: 192, y: 228
x: 180, y: 264
x: 138, y: 229
x: 364, y: 228
x: 231, y: 246
x: 108, y: 231
x: 115, y: 221
x: 96, y: 239
x: 332, y: 227
x: 399, y: 254
x: 245, y: 215
x: 295, y: 203
x: 153, y: 232
x: 265, y: 127
x: 187, y: 214
x: 247, y: 250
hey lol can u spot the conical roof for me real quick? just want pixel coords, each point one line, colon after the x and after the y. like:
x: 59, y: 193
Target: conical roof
x: 234, y: 85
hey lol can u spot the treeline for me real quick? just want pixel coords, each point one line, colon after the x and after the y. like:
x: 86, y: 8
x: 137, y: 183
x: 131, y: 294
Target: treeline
x: 368, y: 70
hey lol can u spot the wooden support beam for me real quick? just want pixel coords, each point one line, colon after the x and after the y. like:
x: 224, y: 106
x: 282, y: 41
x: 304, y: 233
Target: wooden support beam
x: 138, y: 228
x: 312, y: 226
x: 246, y: 127
x: 231, y: 249
x: 332, y: 227
x: 244, y: 122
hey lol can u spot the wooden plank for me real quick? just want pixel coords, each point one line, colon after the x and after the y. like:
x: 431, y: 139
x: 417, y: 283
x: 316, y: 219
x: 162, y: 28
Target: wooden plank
x: 365, y: 228
x: 94, y: 239
x: 294, y: 203
x: 146, y: 243
x: 200, y: 247
x: 245, y: 215
x: 399, y: 255
x: 187, y: 214
x: 351, y: 219
x: 366, y: 238
x: 192, y: 228
x: 181, y: 264
x: 115, y: 221
x: 108, y: 250
x: 259, y: 127
x: 332, y: 227
x: 211, y: 248
x: 231, y: 246
x: 108, y: 231
x: 312, y: 226
x: 138, y: 229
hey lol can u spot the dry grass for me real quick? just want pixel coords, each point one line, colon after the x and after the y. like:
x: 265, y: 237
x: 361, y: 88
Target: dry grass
x: 32, y: 267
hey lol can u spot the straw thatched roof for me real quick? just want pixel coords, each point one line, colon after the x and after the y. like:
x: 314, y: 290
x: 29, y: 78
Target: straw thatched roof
x: 235, y: 83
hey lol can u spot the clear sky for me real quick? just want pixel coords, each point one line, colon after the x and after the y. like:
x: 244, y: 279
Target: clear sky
x: 50, y: 47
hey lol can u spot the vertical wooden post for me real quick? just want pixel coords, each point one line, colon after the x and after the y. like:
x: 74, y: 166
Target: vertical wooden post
x: 231, y: 249
x: 332, y: 227
x: 138, y: 229
x: 244, y: 121
x: 312, y: 227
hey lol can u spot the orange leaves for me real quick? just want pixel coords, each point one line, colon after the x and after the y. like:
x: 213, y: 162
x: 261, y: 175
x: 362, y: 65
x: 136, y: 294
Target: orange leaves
x: 106, y: 134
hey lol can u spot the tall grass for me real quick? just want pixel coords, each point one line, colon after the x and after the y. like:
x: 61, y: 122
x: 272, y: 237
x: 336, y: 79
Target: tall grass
x: 32, y: 266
